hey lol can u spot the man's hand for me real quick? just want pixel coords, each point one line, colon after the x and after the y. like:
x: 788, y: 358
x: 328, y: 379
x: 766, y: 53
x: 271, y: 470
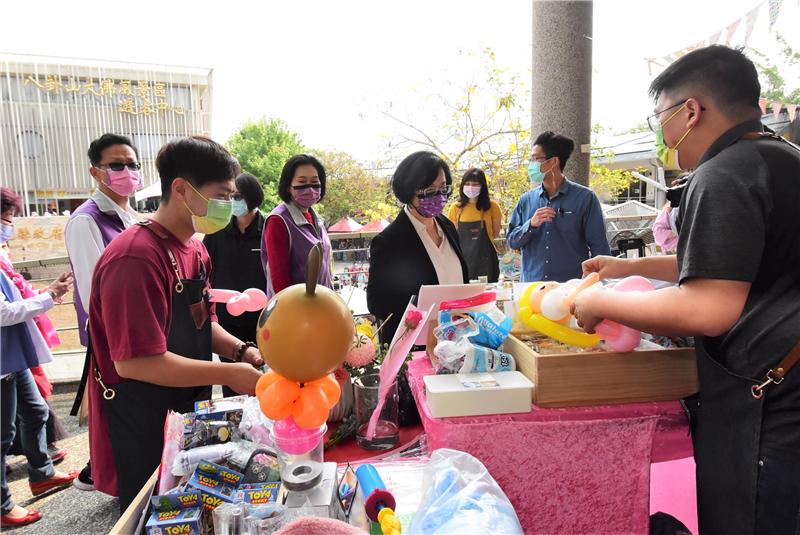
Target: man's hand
x: 545, y: 214
x: 242, y: 377
x: 252, y: 356
x: 582, y: 308
x: 608, y: 267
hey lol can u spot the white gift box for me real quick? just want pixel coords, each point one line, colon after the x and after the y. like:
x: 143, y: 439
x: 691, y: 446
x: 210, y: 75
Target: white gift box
x: 474, y: 394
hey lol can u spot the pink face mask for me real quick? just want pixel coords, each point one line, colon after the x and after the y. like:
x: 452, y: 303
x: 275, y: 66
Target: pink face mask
x: 306, y: 197
x: 123, y: 182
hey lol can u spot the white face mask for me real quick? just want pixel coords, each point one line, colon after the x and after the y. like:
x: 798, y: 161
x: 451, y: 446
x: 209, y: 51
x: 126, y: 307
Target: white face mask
x: 472, y: 192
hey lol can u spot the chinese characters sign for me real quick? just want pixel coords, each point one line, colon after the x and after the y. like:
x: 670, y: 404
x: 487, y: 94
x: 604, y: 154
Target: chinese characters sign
x: 134, y: 98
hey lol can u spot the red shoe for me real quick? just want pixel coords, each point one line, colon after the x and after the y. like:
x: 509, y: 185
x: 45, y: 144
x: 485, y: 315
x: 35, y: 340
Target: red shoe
x: 30, y: 518
x: 56, y: 454
x: 40, y: 487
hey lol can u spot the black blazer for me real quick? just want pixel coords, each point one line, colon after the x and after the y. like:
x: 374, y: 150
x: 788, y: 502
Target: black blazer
x: 399, y: 265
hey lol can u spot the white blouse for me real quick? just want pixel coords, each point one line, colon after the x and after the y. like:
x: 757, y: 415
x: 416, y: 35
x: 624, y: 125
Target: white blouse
x: 444, y: 257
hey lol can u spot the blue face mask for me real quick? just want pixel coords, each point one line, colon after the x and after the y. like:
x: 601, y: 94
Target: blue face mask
x: 535, y: 173
x: 240, y: 207
x: 6, y: 233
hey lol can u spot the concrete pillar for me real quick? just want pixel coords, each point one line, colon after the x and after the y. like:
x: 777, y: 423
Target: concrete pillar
x: 561, y: 91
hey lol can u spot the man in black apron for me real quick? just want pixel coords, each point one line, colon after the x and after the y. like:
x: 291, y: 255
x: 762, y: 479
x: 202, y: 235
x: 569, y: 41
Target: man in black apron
x: 152, y: 329
x: 738, y: 269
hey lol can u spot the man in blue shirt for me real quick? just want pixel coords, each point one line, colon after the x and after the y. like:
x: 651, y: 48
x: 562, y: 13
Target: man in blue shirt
x: 558, y: 224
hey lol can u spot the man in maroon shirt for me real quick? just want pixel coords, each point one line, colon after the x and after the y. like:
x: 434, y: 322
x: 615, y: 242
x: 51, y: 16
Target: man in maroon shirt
x: 152, y: 329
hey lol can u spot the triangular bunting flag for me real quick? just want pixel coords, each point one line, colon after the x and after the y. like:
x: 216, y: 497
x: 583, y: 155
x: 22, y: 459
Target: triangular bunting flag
x: 731, y: 30
x: 776, y: 109
x: 750, y: 23
x: 792, y: 109
x: 714, y: 39
x: 762, y: 103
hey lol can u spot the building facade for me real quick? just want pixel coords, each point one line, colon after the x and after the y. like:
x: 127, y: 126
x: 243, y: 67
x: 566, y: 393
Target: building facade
x: 52, y: 108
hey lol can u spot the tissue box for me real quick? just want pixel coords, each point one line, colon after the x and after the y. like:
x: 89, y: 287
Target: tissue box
x: 474, y: 394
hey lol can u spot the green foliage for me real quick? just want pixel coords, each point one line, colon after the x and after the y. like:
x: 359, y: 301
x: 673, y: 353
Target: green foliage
x: 353, y: 191
x: 606, y: 181
x: 774, y: 75
x: 262, y: 147
x: 481, y: 122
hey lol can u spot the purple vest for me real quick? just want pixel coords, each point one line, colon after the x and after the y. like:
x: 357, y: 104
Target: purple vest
x: 110, y: 226
x: 301, y: 239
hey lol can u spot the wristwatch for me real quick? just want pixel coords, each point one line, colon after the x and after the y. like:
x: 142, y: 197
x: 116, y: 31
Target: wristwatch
x: 53, y: 295
x: 241, y: 349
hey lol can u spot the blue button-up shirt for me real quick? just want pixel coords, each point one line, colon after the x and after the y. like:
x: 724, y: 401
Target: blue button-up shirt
x: 555, y: 250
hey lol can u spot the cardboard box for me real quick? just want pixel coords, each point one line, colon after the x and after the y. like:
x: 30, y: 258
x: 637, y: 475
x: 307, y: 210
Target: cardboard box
x: 176, y: 514
x: 603, y: 378
x: 215, y: 483
x: 474, y: 394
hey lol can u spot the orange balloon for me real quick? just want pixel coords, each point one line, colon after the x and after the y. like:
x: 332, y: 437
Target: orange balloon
x: 331, y: 388
x: 266, y: 381
x: 303, y: 337
x: 279, y: 398
x: 311, y: 410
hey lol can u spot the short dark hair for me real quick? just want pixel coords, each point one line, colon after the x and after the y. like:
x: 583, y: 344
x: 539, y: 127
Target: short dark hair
x: 250, y: 188
x: 9, y: 200
x: 287, y: 174
x: 417, y: 171
x: 475, y: 175
x: 556, y: 145
x: 198, y: 159
x: 723, y: 74
x: 100, y: 144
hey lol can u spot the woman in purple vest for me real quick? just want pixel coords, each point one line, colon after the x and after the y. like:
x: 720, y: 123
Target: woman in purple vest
x: 293, y: 227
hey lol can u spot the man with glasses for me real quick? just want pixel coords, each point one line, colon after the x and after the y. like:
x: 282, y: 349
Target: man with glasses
x: 558, y: 224
x: 737, y: 293
x: 91, y: 227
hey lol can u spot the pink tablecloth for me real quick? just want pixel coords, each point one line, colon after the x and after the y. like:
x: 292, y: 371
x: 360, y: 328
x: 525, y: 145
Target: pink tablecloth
x: 575, y: 470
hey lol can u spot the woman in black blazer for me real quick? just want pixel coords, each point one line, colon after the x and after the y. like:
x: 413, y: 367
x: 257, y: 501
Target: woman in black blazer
x: 420, y: 247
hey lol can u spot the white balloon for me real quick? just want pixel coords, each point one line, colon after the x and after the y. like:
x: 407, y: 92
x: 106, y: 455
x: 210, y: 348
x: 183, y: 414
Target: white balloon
x: 553, y: 305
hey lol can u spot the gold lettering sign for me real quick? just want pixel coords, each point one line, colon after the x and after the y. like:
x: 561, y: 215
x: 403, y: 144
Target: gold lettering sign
x: 139, y: 99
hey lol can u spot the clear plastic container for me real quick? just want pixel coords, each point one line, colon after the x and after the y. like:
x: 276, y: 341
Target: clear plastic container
x: 305, y: 447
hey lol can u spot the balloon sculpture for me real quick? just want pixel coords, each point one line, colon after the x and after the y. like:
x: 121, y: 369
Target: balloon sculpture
x: 237, y: 303
x: 304, y: 334
x: 545, y: 307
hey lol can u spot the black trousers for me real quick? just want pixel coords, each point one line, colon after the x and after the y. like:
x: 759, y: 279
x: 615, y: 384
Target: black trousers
x: 778, y: 502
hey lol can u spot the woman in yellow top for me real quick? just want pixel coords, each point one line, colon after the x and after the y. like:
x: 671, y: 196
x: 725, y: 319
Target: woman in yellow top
x: 477, y: 219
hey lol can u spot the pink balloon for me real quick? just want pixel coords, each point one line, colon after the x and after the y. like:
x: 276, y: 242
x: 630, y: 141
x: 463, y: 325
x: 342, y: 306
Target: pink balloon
x: 238, y: 305
x: 251, y: 300
x: 294, y: 439
x: 619, y: 337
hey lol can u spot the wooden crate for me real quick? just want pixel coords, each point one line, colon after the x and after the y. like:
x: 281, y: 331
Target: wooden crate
x: 603, y: 378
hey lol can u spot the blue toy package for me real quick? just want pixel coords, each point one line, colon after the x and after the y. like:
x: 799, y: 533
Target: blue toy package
x: 217, y: 484
x: 176, y: 513
x: 258, y: 493
x: 493, y: 326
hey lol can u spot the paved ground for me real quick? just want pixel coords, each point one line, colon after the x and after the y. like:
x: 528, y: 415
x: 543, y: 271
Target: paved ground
x: 68, y: 511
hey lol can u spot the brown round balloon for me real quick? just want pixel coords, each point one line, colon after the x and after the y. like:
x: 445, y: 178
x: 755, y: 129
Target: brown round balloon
x: 304, y: 336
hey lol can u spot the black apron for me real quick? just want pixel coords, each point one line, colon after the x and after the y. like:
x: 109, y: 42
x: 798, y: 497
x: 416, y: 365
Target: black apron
x: 726, y: 432
x: 136, y: 412
x: 478, y: 250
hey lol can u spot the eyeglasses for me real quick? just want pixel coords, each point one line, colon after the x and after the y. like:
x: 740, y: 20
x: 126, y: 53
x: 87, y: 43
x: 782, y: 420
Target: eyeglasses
x: 540, y: 159
x: 316, y: 185
x: 653, y: 122
x: 430, y: 192
x: 116, y: 166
